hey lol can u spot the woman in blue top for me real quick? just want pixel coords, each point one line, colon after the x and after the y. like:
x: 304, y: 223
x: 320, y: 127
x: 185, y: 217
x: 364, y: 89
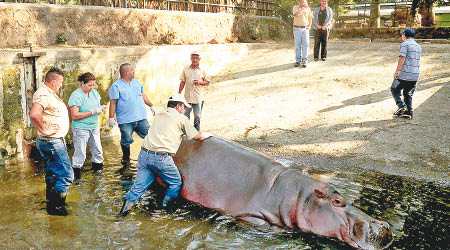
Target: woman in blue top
x: 84, y: 104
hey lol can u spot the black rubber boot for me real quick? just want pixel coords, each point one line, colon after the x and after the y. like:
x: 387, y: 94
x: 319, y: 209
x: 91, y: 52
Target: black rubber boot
x: 125, y: 155
x: 97, y: 166
x: 126, y: 208
x: 48, y: 190
x: 77, y: 173
x: 57, y: 203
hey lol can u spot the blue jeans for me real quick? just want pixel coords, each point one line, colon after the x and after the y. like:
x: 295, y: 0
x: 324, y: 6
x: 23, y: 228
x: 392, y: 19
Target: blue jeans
x: 58, y: 171
x: 150, y: 164
x: 301, y: 38
x: 408, y: 88
x: 126, y: 131
x: 197, y: 107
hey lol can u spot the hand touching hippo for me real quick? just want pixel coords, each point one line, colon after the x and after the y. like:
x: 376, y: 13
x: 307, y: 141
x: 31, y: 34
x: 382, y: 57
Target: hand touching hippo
x: 235, y: 180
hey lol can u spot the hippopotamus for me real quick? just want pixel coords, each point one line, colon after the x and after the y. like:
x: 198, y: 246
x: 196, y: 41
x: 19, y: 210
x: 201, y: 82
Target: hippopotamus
x: 238, y: 181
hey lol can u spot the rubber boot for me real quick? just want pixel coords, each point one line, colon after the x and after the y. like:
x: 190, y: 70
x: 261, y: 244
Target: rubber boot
x: 166, y: 201
x: 97, y: 166
x: 48, y: 189
x: 77, y: 173
x: 57, y: 203
x: 125, y: 155
x: 126, y: 208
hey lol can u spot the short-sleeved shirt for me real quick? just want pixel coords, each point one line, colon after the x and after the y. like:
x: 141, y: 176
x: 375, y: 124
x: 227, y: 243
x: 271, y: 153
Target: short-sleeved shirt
x: 130, y: 103
x: 193, y: 93
x: 411, y: 68
x: 167, y: 130
x: 55, y: 112
x: 86, y: 104
x: 304, y: 19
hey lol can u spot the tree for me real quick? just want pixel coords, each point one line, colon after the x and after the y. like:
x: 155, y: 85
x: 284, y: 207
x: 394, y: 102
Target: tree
x: 426, y: 9
x: 374, y: 20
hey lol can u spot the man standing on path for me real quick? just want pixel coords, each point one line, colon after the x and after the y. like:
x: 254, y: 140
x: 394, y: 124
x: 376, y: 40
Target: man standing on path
x: 407, y: 74
x: 323, y: 15
x: 161, y: 143
x: 50, y: 117
x: 302, y: 24
x: 195, y: 80
x: 127, y: 108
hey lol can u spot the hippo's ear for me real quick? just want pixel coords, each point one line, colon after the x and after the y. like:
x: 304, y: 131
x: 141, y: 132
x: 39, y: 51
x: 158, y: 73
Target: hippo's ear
x: 319, y: 193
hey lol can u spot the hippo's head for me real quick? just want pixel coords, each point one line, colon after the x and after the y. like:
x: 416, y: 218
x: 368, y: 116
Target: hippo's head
x: 324, y: 211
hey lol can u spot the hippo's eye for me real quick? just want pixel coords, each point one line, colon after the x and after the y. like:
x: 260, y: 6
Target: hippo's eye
x: 338, y: 201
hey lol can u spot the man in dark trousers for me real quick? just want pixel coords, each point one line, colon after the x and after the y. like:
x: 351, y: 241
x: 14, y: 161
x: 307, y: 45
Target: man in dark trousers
x: 407, y: 74
x: 323, y: 15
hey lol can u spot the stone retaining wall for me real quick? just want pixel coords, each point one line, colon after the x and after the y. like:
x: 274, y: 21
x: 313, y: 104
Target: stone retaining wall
x: 387, y: 33
x: 45, y: 25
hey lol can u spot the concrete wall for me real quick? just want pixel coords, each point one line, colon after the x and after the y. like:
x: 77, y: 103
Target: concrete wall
x: 44, y: 25
x: 157, y: 67
x: 386, y: 33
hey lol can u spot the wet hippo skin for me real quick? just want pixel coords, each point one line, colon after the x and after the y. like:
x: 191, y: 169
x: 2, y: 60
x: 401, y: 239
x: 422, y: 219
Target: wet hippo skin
x: 243, y: 183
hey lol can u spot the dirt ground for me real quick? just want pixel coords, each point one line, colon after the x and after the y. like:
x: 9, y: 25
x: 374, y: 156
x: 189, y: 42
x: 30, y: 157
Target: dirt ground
x: 338, y: 109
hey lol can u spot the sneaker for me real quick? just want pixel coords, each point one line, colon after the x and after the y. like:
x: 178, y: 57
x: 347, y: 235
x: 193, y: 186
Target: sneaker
x: 400, y: 111
x: 316, y: 59
x: 297, y: 64
x: 304, y: 65
x: 407, y: 115
x: 323, y: 59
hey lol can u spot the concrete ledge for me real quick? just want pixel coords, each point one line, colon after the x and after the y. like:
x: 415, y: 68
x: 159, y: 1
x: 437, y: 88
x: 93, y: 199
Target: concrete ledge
x: 386, y: 33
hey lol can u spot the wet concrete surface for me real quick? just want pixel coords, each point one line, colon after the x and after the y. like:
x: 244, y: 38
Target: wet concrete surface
x: 417, y: 210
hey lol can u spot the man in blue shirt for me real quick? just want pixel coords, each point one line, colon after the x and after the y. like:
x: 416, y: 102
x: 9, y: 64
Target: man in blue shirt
x: 407, y: 74
x: 127, y: 108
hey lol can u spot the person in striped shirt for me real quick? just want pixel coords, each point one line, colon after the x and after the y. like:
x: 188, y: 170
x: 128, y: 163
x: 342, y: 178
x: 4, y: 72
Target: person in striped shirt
x: 407, y: 74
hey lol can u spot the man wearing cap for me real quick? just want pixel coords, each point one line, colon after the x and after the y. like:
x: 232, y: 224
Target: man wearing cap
x: 127, y: 108
x: 160, y: 144
x: 407, y: 74
x: 194, y: 79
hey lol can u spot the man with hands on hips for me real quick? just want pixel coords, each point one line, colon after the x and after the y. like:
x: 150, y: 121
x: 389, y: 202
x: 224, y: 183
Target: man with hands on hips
x: 127, y: 109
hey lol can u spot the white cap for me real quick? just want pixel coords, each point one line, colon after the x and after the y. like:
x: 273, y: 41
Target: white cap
x: 178, y: 98
x: 195, y: 53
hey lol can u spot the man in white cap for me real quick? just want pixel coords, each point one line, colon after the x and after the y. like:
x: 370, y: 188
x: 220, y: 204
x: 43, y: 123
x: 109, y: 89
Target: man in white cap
x: 194, y: 79
x: 160, y: 144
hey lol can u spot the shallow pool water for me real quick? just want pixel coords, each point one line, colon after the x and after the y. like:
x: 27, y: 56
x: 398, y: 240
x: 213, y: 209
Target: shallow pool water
x: 418, y: 212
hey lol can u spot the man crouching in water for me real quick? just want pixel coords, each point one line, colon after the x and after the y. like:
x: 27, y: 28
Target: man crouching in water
x: 160, y: 144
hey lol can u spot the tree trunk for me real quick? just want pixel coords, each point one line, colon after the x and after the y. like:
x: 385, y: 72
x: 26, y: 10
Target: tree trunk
x: 374, y: 20
x: 427, y: 12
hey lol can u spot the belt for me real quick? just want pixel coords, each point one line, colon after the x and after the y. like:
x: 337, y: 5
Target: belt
x: 299, y: 26
x: 155, y: 152
x: 50, y: 138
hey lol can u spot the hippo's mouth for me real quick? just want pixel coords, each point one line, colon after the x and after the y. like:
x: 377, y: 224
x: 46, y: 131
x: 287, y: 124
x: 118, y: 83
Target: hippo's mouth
x: 371, y: 236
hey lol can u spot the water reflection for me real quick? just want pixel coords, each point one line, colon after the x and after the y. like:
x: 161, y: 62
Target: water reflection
x: 418, y: 212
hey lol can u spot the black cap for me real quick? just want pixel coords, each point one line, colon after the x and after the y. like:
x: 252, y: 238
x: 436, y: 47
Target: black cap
x: 409, y: 32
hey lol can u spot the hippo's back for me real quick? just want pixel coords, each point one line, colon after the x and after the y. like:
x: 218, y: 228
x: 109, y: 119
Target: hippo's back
x: 223, y: 175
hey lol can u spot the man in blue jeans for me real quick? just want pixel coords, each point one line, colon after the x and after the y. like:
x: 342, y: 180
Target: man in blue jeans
x: 50, y: 117
x: 127, y: 108
x: 302, y: 24
x: 194, y: 80
x: 160, y: 144
x: 407, y: 74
